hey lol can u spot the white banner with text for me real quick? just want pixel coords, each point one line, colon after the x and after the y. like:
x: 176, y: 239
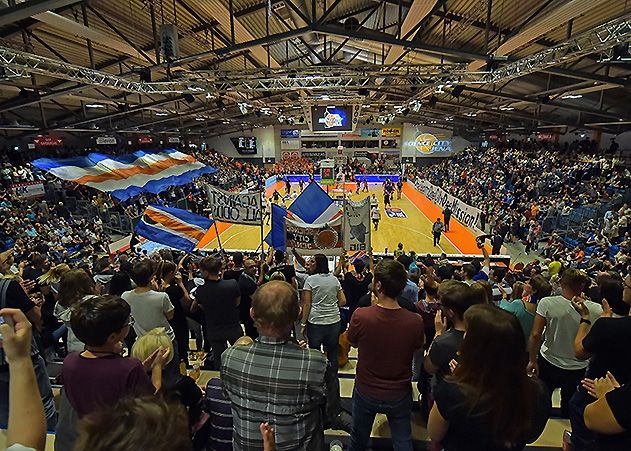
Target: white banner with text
x: 468, y: 215
x: 237, y: 208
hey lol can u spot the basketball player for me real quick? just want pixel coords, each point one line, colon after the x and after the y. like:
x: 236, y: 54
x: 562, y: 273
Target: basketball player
x: 365, y: 190
x: 386, y: 199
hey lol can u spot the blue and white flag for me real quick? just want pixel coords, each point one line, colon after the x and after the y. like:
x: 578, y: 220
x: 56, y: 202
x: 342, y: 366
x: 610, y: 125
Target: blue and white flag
x: 173, y: 227
x: 312, y: 206
x: 125, y: 176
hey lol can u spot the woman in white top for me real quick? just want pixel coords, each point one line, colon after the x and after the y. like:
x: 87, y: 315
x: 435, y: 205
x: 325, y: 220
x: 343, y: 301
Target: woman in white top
x: 74, y: 286
x: 322, y: 297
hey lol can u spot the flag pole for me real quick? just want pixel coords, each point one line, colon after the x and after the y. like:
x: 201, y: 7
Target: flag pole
x: 218, y: 239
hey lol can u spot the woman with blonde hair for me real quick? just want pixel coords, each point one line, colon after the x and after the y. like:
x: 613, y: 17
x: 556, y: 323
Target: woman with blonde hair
x: 156, y: 340
x: 189, y: 394
x: 74, y: 286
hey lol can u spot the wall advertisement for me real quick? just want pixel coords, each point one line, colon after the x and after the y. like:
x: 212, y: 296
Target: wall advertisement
x: 468, y: 215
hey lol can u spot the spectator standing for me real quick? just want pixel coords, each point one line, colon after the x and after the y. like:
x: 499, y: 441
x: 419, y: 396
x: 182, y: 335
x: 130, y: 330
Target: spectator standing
x: 275, y: 380
x: 100, y: 376
x: 456, y: 298
x: 437, y: 230
x: 552, y: 355
x: 173, y: 286
x: 356, y: 284
x: 601, y: 344
x: 74, y: 286
x: 322, y: 297
x: 219, y: 299
x: 235, y: 272
x: 247, y: 287
x: 383, y: 378
x: 281, y: 265
x: 475, y: 409
x: 13, y: 296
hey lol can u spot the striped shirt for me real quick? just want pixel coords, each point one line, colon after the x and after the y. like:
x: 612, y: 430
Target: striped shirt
x: 218, y: 407
x: 276, y: 381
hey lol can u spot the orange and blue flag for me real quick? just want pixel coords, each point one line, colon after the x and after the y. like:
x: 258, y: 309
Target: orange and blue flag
x: 173, y: 227
x: 125, y: 176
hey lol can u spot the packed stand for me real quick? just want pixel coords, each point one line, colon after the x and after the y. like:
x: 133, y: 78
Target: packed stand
x: 526, y: 196
x: 279, y: 326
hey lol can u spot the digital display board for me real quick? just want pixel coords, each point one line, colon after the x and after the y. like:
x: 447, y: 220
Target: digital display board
x: 332, y: 118
x: 245, y: 145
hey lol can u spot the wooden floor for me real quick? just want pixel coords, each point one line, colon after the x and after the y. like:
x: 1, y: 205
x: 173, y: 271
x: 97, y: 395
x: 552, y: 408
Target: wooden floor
x: 414, y: 231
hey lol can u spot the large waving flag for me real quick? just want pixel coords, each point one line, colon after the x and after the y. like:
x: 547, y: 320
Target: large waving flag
x: 179, y: 229
x: 312, y: 206
x: 125, y: 176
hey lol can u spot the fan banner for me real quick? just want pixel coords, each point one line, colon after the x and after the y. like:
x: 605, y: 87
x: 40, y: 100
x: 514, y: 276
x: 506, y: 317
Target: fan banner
x: 312, y: 239
x: 237, y: 208
x: 357, y: 225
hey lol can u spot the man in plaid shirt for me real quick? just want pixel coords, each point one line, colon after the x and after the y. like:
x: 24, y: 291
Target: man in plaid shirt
x: 274, y: 380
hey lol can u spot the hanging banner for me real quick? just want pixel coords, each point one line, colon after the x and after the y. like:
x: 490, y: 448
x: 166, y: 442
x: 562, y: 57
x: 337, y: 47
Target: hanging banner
x: 48, y: 141
x: 468, y: 215
x: 28, y: 189
x: 237, y: 208
x: 312, y: 239
x: 357, y: 225
x: 105, y: 140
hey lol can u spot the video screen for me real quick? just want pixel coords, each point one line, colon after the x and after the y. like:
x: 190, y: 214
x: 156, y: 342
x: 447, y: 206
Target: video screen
x: 332, y: 118
x: 245, y: 145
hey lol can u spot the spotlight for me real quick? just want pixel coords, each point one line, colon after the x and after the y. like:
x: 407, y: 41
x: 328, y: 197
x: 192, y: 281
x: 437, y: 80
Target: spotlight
x: 405, y: 111
x: 258, y: 113
x: 220, y: 104
x: 189, y: 98
x: 363, y: 92
x: 382, y: 108
x: 457, y: 91
x: 432, y: 101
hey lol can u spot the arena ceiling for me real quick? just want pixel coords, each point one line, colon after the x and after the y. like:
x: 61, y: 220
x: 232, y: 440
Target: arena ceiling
x: 473, y: 65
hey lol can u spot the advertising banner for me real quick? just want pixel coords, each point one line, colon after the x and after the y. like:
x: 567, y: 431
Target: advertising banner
x: 468, y: 215
x: 48, y: 141
x: 290, y: 144
x: 289, y: 133
x: 106, y: 140
x: 357, y: 225
x: 174, y: 140
x: 313, y: 155
x: 236, y: 208
x: 370, y: 132
x: 390, y: 132
x: 312, y: 239
x: 428, y: 143
x: 28, y: 189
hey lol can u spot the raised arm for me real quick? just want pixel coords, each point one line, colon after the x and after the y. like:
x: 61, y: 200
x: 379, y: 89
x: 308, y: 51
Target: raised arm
x: 27, y: 424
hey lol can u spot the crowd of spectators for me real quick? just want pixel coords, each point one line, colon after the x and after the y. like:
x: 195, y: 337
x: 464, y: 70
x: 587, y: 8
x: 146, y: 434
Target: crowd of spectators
x: 527, y: 195
x: 469, y: 327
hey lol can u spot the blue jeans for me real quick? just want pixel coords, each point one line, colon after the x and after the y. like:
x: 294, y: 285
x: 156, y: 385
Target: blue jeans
x: 327, y: 335
x: 399, y: 415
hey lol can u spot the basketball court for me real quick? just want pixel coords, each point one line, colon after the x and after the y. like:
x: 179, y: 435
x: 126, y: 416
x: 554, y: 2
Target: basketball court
x: 408, y: 221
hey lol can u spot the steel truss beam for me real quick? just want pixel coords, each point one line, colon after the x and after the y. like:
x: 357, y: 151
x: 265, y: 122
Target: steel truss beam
x: 593, y: 41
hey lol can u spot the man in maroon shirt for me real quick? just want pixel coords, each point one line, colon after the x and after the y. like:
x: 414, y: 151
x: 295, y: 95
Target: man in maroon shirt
x: 386, y: 337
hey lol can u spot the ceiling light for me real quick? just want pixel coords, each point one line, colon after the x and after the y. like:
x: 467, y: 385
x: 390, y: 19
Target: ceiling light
x: 572, y: 96
x: 199, y: 119
x: 506, y: 108
x: 161, y: 114
x: 94, y: 105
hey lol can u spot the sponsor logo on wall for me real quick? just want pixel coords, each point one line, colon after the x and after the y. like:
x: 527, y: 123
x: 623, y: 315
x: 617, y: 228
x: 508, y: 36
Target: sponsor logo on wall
x: 468, y: 215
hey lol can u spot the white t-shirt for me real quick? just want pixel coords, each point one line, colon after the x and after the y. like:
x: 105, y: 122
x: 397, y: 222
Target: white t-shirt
x: 148, y: 310
x: 562, y: 322
x: 324, y: 307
